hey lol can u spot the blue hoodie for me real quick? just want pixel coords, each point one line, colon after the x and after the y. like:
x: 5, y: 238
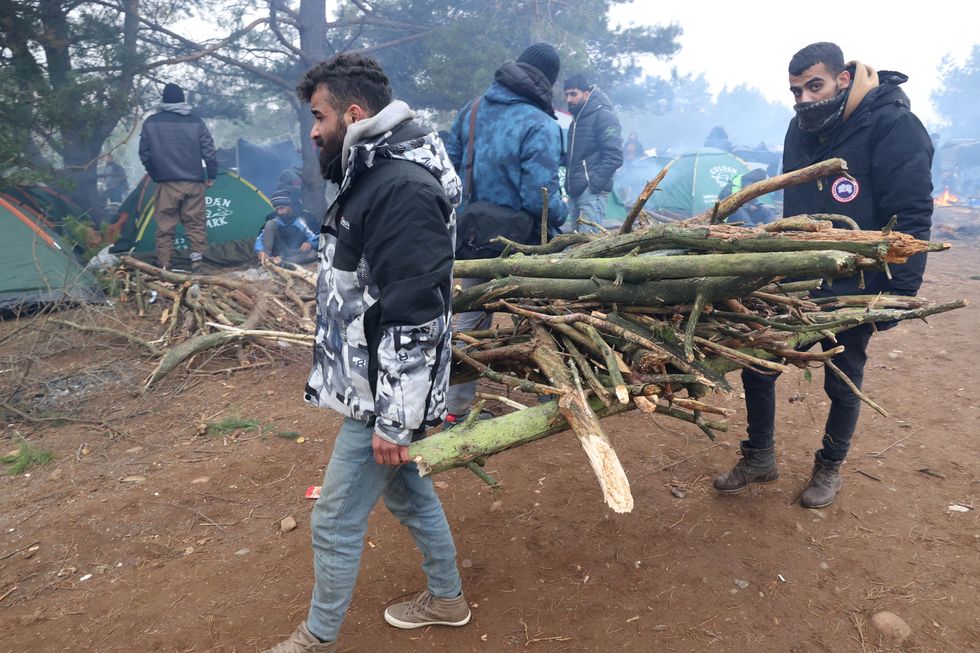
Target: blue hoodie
x: 517, y: 145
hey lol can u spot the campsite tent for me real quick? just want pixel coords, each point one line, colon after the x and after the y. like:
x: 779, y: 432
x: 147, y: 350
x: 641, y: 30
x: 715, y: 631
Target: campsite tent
x: 38, y: 267
x: 261, y: 163
x: 694, y: 180
x: 60, y: 214
x: 236, y: 211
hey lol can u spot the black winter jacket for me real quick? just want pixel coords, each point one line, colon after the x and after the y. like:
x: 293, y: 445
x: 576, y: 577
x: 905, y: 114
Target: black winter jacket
x: 384, y: 287
x: 889, y: 153
x: 172, y: 146
x: 595, y: 147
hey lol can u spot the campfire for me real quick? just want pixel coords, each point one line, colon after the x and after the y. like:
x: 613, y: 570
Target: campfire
x: 946, y: 199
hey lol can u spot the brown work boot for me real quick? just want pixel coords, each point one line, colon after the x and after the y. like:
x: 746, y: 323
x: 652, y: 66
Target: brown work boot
x: 303, y: 641
x: 428, y: 610
x: 756, y: 466
x: 825, y: 483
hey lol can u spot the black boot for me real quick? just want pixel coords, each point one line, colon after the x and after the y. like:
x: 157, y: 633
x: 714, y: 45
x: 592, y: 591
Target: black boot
x: 825, y: 483
x: 756, y: 466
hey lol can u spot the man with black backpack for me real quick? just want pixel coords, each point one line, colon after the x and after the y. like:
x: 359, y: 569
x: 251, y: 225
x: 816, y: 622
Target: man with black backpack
x: 506, y: 146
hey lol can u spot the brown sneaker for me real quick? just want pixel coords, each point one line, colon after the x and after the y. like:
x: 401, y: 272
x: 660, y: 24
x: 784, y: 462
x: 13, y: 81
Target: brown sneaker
x: 428, y: 610
x: 303, y: 641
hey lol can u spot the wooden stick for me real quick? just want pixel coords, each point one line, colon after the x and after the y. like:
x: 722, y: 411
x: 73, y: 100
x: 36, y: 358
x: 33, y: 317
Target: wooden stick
x: 850, y: 384
x: 544, y: 215
x: 645, y: 194
x: 153, y: 349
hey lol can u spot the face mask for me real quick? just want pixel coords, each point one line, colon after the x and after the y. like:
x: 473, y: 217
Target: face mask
x: 822, y: 117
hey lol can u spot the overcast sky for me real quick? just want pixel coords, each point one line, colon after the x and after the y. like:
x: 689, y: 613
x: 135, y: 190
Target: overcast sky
x: 752, y: 42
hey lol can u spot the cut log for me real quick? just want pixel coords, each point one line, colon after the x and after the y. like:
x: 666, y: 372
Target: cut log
x: 828, y: 264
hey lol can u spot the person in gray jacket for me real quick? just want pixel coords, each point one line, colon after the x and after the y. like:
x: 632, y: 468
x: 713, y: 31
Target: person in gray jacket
x: 173, y: 145
x: 595, y: 153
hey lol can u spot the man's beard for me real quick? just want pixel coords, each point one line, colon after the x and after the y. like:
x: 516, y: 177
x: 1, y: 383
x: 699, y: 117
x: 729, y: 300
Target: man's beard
x: 575, y: 108
x: 331, y: 147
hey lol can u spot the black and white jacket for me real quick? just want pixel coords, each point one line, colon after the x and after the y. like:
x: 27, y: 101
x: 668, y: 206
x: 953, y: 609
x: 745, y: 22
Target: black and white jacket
x: 384, y: 289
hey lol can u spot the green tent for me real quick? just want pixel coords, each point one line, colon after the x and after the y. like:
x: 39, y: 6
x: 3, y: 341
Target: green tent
x: 38, y: 267
x: 236, y: 211
x: 694, y: 180
x: 59, y: 213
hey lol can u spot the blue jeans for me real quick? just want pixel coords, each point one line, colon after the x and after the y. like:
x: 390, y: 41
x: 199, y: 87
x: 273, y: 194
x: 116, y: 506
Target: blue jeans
x: 845, y: 407
x: 351, y: 488
x: 590, y: 206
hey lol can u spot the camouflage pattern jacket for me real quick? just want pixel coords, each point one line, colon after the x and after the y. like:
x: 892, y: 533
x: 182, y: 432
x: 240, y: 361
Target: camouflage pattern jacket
x: 384, y: 288
x: 517, y: 144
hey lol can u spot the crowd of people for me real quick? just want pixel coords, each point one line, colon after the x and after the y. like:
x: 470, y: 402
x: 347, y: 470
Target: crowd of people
x: 410, y: 202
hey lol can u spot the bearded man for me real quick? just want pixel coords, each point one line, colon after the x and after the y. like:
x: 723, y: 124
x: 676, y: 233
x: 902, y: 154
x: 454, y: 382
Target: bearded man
x: 862, y: 116
x: 382, y: 350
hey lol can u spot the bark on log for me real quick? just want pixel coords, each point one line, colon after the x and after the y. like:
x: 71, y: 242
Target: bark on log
x: 638, y: 269
x: 574, y: 407
x: 730, y: 239
x: 652, y: 293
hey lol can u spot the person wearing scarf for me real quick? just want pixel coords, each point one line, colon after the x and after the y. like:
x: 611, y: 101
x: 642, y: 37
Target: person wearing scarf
x: 851, y: 111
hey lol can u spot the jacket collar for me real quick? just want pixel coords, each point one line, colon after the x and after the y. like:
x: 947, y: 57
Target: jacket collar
x: 864, y: 78
x: 377, y: 125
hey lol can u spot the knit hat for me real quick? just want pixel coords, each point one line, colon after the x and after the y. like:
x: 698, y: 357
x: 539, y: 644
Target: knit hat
x: 281, y: 199
x: 543, y: 57
x: 173, y: 94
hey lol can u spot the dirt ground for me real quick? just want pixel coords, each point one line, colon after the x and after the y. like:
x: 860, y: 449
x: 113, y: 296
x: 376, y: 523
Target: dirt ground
x: 161, y: 539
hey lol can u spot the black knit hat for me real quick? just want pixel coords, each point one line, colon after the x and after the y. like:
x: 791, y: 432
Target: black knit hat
x: 543, y: 57
x: 173, y: 94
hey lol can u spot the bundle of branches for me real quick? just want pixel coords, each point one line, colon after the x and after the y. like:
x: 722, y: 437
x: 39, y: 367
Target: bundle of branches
x: 653, y: 321
x: 201, y: 312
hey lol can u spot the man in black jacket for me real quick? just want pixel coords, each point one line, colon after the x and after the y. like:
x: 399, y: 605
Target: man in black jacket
x: 862, y: 116
x: 173, y: 144
x: 382, y: 349
x: 595, y: 153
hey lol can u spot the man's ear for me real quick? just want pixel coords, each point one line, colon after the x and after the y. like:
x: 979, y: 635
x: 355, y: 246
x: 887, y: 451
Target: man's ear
x: 356, y: 113
x: 844, y: 79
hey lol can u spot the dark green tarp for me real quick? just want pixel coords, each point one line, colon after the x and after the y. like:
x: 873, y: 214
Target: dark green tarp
x: 36, y: 265
x: 236, y: 211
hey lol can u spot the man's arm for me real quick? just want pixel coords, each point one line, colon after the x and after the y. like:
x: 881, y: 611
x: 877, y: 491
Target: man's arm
x: 207, y: 152
x: 609, y: 136
x: 454, y: 142
x: 540, y: 154
x: 410, y: 253
x: 902, y: 170
x: 145, y: 153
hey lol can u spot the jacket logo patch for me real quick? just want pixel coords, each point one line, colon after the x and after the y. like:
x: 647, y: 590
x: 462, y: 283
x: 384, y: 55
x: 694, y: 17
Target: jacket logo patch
x: 845, y: 190
x: 345, y: 223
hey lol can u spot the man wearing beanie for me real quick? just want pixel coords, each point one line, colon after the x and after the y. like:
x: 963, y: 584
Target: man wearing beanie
x: 173, y: 145
x: 285, y: 235
x: 516, y: 148
x: 595, y: 153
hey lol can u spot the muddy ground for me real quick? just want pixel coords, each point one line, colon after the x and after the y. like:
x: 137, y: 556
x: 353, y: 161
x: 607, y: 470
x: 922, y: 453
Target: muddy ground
x: 152, y: 537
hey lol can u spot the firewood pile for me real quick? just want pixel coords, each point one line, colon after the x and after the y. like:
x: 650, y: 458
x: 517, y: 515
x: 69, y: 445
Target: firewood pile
x: 650, y: 320
x: 654, y: 320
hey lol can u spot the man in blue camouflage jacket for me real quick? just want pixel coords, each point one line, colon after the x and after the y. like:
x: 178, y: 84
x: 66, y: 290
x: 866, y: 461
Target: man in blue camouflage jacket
x: 517, y: 147
x: 382, y: 352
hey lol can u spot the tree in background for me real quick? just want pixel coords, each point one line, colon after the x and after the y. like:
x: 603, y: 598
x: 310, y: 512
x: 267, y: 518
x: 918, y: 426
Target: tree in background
x: 957, y: 97
x: 74, y: 71
x: 678, y: 113
x: 71, y: 72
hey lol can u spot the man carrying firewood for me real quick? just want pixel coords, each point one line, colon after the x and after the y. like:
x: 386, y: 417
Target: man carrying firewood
x: 382, y: 350
x: 862, y: 116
